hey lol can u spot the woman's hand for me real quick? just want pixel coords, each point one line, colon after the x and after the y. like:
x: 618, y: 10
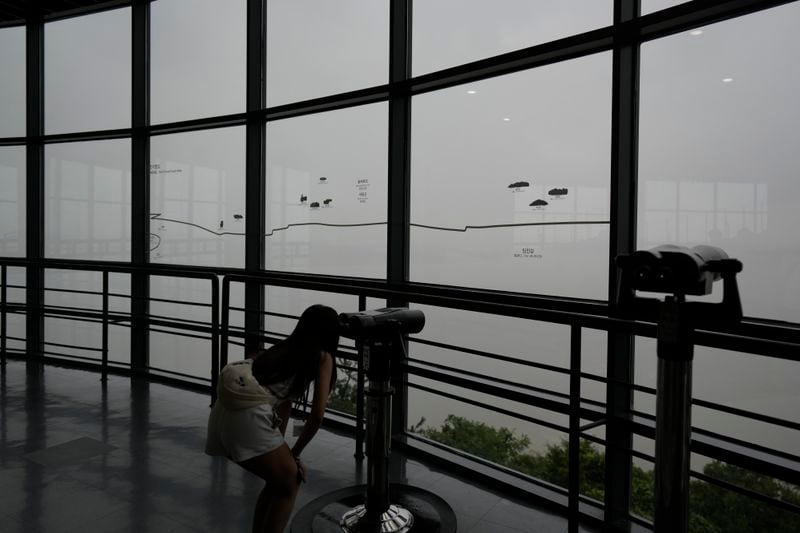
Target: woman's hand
x: 301, y: 470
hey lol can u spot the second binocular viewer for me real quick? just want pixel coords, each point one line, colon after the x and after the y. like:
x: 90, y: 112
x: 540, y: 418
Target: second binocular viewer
x: 379, y: 323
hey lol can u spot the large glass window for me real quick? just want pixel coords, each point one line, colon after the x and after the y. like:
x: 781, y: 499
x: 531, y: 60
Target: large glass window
x: 316, y: 48
x: 12, y: 82
x: 450, y: 32
x: 12, y: 201
x: 759, y: 384
x: 648, y: 6
x: 718, y: 151
x: 68, y: 337
x: 326, y: 193
x: 189, y: 301
x: 15, y: 294
x: 509, y: 181
x: 88, y: 200
x: 197, y: 198
x: 197, y: 59
x: 88, y: 72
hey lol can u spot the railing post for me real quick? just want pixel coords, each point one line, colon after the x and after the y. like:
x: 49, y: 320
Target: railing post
x: 214, y: 338
x: 105, y: 327
x: 574, y: 483
x: 223, y: 334
x: 3, y: 321
x: 359, y: 455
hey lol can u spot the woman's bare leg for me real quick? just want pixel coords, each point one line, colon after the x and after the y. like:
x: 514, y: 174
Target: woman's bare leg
x: 260, y: 512
x: 279, y: 470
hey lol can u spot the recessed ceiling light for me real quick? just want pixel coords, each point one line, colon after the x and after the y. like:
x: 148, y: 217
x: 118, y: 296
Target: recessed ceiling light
x: 471, y: 92
x: 696, y: 32
x: 727, y: 80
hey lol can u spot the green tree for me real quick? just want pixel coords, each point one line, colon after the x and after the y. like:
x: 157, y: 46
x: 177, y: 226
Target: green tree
x: 712, y: 509
x: 343, y: 396
x: 730, y: 511
x: 499, y: 446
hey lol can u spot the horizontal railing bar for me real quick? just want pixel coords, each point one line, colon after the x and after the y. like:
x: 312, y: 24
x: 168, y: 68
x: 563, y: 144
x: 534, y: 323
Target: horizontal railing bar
x: 592, y: 425
x: 755, y: 495
x: 180, y: 334
x: 71, y: 356
x: 74, y: 291
x: 72, y: 313
x: 746, y: 414
x: 748, y: 455
x: 73, y: 346
x: 466, y: 455
x: 181, y: 374
x: 492, y: 408
x: 544, y: 401
x: 182, y: 302
x: 178, y: 320
x: 50, y: 307
x: 490, y: 355
x: 594, y: 377
x: 489, y: 378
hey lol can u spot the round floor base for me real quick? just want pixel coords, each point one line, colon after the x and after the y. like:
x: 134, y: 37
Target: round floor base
x: 323, y: 515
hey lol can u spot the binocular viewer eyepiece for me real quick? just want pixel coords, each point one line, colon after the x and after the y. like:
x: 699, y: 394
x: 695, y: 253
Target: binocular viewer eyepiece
x: 381, y: 322
x: 676, y: 269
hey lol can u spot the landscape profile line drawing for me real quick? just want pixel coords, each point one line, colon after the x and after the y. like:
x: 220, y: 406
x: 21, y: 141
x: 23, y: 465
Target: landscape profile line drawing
x: 513, y: 225
x: 156, y: 239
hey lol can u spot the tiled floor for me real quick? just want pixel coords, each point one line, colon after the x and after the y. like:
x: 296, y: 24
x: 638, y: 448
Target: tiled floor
x: 78, y: 456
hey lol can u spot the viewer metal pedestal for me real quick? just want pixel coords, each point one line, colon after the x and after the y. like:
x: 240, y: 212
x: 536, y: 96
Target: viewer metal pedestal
x: 678, y: 272
x: 379, y: 506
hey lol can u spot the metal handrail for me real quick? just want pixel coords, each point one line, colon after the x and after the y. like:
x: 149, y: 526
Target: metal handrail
x: 577, y: 315
x: 104, y: 314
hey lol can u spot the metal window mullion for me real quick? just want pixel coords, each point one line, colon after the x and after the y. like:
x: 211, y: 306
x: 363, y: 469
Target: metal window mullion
x: 399, y: 178
x: 34, y: 223
x: 255, y: 172
x: 140, y: 184
x: 622, y: 239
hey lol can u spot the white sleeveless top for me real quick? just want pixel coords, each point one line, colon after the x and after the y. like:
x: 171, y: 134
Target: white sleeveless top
x: 239, y: 389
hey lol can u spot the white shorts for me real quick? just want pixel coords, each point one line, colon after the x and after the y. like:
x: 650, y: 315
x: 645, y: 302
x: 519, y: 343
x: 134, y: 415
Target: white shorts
x: 244, y: 433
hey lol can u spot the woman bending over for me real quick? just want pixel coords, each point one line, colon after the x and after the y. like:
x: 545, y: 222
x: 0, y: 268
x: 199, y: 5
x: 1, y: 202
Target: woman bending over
x: 254, y: 399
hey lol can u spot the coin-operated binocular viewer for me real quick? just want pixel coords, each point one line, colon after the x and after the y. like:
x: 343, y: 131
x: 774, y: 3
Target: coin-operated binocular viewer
x: 676, y: 271
x: 379, y: 339
x: 379, y: 506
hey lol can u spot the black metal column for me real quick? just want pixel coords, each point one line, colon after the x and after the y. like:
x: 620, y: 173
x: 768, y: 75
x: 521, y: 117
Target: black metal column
x: 622, y: 239
x: 255, y: 174
x: 34, y: 221
x: 399, y: 208
x: 140, y: 183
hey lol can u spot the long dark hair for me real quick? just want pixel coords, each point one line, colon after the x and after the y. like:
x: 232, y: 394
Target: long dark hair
x: 316, y: 331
